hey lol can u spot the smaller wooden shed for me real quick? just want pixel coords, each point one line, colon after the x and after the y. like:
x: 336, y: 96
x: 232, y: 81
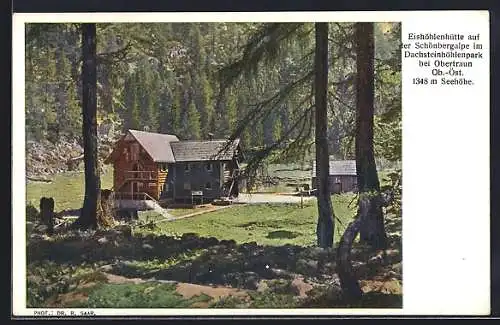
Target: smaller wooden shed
x: 343, y: 177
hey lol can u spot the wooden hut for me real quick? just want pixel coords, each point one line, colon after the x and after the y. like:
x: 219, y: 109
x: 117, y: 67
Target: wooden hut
x: 343, y: 177
x: 154, y: 166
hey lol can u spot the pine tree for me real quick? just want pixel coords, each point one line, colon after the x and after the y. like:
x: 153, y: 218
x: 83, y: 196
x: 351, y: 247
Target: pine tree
x: 176, y: 115
x: 231, y: 111
x: 206, y: 108
x: 372, y: 229
x: 193, y: 122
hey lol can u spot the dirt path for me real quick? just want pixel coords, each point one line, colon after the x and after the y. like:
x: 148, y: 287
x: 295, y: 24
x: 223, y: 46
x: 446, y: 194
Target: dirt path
x: 270, y: 198
x: 211, y: 208
x: 186, y: 290
x: 189, y: 290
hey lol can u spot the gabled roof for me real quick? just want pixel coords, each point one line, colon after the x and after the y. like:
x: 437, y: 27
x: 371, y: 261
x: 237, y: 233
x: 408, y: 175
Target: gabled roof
x: 168, y: 149
x: 157, y: 145
x: 203, y: 150
x: 339, y: 168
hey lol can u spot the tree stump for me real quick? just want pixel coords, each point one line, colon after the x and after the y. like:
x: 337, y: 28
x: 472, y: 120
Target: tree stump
x: 47, y: 213
x: 106, y: 215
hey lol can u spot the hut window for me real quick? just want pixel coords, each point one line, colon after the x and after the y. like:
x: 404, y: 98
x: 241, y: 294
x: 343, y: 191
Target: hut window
x: 208, y: 186
x: 187, y: 186
x: 187, y: 168
x: 208, y: 166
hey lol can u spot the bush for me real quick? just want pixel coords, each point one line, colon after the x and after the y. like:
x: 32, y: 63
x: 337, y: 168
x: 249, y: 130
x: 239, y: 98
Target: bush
x: 32, y: 212
x: 395, y: 190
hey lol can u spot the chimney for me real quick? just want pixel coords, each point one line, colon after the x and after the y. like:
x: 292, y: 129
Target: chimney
x: 210, y: 136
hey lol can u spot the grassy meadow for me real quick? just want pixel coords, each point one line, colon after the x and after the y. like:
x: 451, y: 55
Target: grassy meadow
x: 67, y: 189
x: 267, y: 224
x: 87, y: 272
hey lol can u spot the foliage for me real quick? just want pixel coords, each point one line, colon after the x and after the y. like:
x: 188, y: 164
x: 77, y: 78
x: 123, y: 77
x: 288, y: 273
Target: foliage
x: 150, y: 75
x: 46, y: 279
x: 394, y: 188
x: 143, y: 295
x: 32, y: 212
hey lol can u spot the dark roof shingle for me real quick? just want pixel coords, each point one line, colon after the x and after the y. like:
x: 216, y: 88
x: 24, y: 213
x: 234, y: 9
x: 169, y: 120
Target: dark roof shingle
x: 339, y: 167
x: 203, y: 150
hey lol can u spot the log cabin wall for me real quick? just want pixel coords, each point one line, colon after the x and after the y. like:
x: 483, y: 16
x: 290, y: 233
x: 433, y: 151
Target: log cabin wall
x: 162, y: 170
x: 130, y: 155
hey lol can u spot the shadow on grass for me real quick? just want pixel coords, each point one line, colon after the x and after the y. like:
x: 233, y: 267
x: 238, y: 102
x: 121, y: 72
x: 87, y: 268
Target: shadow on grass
x: 282, y: 234
x: 193, y: 259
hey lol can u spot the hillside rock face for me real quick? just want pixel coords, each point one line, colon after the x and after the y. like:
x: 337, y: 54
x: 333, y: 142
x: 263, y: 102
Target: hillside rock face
x: 45, y: 158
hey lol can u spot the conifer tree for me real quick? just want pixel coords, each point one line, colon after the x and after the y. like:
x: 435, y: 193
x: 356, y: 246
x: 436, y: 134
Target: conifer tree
x: 193, y: 122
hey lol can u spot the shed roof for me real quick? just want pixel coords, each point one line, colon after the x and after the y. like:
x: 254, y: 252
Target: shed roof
x: 339, y: 168
x: 157, y: 145
x: 203, y: 150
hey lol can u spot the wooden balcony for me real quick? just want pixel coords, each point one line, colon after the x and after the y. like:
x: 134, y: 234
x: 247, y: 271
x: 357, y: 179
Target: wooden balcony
x: 140, y: 175
x: 134, y: 196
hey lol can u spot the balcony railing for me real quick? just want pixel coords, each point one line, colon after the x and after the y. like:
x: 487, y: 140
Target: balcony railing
x: 140, y: 175
x: 134, y: 196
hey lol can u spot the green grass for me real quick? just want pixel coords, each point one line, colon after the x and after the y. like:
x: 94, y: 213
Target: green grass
x: 67, y: 190
x: 154, y: 265
x: 185, y: 211
x: 144, y: 295
x: 266, y: 224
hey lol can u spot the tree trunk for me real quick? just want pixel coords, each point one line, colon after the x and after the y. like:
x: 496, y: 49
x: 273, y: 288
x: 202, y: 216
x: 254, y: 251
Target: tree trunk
x: 372, y: 230
x: 107, y: 216
x: 351, y: 290
x: 325, y: 227
x: 88, y: 218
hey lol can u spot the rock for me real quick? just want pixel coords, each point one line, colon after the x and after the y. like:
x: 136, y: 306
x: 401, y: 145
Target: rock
x: 124, y: 230
x: 317, y: 252
x: 262, y: 286
x: 280, y: 273
x: 377, y: 259
x: 251, y: 280
x: 398, y: 268
x: 147, y: 246
x: 106, y: 268
x: 300, y: 287
x: 102, y: 240
x: 40, y: 228
x: 330, y: 266
x: 393, y: 275
x: 307, y: 266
